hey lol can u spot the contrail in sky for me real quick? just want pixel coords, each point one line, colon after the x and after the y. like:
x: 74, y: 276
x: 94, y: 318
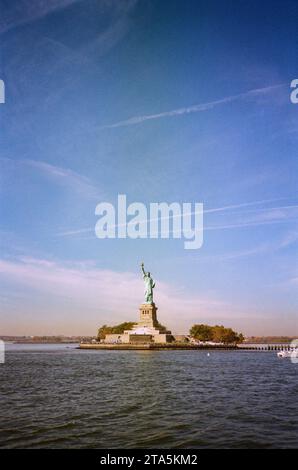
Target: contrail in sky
x: 193, y: 109
x: 216, y: 209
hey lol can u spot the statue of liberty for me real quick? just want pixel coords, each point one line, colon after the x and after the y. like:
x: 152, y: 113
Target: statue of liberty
x: 149, y: 286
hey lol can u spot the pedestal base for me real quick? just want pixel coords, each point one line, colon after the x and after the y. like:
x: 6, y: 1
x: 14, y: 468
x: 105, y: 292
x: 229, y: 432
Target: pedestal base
x: 146, y: 331
x: 148, y: 316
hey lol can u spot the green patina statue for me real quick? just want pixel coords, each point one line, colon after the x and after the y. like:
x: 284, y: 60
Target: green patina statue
x: 149, y: 286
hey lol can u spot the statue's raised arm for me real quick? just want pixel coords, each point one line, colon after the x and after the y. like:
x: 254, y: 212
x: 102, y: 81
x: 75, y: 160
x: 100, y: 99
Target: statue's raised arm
x: 143, y: 271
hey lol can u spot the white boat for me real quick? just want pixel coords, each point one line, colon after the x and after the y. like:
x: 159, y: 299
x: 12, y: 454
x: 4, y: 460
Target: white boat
x: 293, y: 353
x: 283, y: 353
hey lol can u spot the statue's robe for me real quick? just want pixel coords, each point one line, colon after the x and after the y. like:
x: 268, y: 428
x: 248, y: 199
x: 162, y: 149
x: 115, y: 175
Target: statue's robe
x: 149, y: 285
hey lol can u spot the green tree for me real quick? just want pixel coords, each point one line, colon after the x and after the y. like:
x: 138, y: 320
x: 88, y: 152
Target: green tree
x: 201, y: 332
x: 229, y: 336
x: 217, y: 333
x: 115, y: 329
x: 240, y: 338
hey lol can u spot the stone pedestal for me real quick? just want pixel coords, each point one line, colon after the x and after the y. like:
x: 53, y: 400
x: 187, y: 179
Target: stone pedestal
x: 145, y: 331
x: 148, y: 316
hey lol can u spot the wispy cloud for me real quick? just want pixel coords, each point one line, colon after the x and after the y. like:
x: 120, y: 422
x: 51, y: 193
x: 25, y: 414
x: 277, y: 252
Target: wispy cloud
x: 264, y: 248
x: 195, y: 108
x: 60, y: 175
x: 14, y: 14
x: 290, y: 238
x: 261, y: 221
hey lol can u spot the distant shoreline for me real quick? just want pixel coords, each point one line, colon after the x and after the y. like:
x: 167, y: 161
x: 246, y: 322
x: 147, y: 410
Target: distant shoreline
x: 42, y: 342
x: 182, y: 346
x: 55, y: 339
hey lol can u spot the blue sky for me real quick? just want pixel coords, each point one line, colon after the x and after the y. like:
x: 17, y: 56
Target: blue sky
x: 161, y: 101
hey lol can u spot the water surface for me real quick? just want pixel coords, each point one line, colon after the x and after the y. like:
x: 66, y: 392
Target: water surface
x: 56, y: 396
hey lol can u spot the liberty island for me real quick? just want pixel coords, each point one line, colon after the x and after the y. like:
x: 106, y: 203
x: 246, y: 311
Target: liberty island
x: 147, y: 333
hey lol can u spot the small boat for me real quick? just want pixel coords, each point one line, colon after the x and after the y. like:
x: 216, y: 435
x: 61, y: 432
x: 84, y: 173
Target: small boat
x: 283, y: 353
x: 293, y: 353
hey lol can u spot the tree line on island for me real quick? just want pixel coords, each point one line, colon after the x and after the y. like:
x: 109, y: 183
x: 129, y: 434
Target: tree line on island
x: 216, y: 334
x: 200, y: 332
